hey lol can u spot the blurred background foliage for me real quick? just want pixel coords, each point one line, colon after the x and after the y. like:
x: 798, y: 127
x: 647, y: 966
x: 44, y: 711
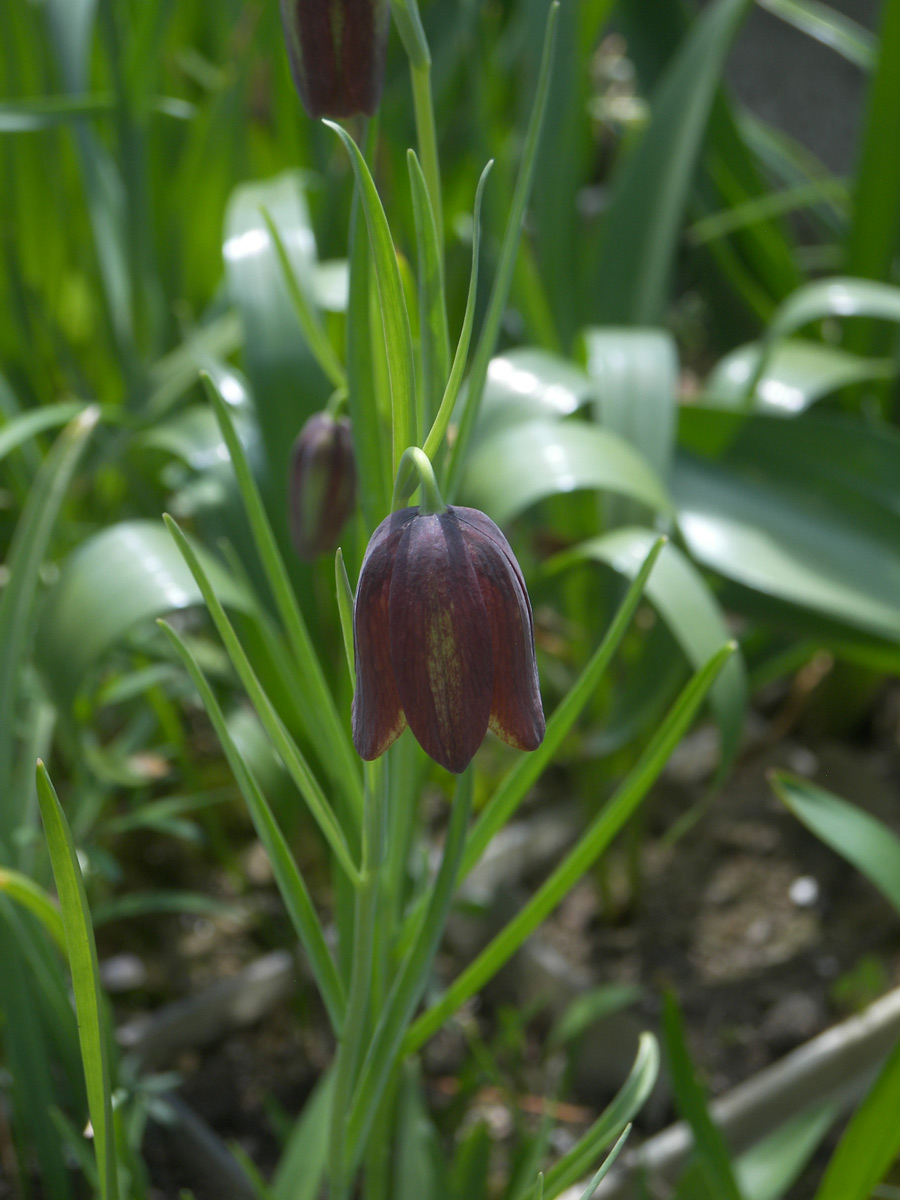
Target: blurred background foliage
x: 700, y: 338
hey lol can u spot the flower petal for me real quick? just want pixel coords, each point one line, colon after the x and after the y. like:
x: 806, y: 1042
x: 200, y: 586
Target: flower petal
x: 440, y: 641
x: 517, y: 715
x: 377, y: 715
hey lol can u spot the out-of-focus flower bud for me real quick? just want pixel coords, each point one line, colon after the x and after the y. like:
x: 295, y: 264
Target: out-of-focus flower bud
x: 336, y: 50
x: 444, y: 639
x: 322, y: 485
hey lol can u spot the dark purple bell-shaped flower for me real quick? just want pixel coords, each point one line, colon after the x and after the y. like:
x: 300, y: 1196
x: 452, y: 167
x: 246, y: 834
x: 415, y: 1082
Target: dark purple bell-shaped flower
x: 444, y: 639
x: 322, y: 485
x: 336, y: 50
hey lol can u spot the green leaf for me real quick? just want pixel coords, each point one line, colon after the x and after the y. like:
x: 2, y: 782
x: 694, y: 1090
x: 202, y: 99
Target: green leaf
x: 126, y: 574
x: 828, y: 26
x: 682, y: 598
x: 796, y: 374
x: 290, y: 882
x: 287, y: 749
x: 397, y: 334
x: 635, y: 376
x: 691, y: 1101
x: 525, y: 384
x: 434, y: 336
x: 768, y: 1169
x: 650, y: 190
x: 518, y: 466
x: 32, y: 896
x: 28, y: 424
x: 870, y: 1142
x: 804, y: 513
x: 627, y: 1103
x: 82, y: 953
x: 618, y: 809
x: 870, y: 845
x: 18, y: 600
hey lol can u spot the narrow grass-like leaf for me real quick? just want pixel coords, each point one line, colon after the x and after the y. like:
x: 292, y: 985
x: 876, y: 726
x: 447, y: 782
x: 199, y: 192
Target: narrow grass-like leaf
x: 436, y: 434
x: 769, y: 1168
x: 32, y: 896
x: 329, y: 730
x: 691, y: 1101
x: 308, y: 317
x: 434, y: 336
x: 500, y: 290
x: 411, y: 978
x: 870, y: 845
x: 828, y: 26
x: 516, y: 784
x: 82, y: 954
x: 17, y: 600
x: 678, y: 592
x: 397, y: 334
x: 628, y: 1101
x: 604, y: 1170
x: 287, y: 748
x: 621, y: 806
x: 517, y: 467
x: 639, y: 238
x: 22, y: 428
x: 290, y: 882
x: 870, y: 1142
x: 345, y: 610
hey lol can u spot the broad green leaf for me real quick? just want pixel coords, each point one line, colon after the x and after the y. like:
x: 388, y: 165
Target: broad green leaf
x: 691, y: 1101
x: 635, y: 376
x: 797, y: 374
x: 804, y: 512
x: 126, y: 574
x: 870, y: 845
x: 628, y: 1102
x: 82, y: 952
x: 525, y: 384
x: 682, y: 598
x: 650, y: 189
x: 870, y: 1142
x: 519, y: 466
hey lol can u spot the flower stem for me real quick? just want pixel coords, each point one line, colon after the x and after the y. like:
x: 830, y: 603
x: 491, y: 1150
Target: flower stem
x: 415, y: 461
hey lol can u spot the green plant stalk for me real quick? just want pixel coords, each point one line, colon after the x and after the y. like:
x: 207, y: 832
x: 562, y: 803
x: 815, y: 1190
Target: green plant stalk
x: 593, y: 842
x: 506, y: 265
x: 351, y: 1045
x: 410, y: 980
x: 296, y: 764
x: 426, y: 135
x: 290, y: 882
x: 82, y: 954
x: 332, y: 729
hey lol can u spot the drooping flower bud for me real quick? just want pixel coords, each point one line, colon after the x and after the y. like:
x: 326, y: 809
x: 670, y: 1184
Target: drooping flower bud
x: 322, y: 485
x: 444, y: 639
x: 337, y: 50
